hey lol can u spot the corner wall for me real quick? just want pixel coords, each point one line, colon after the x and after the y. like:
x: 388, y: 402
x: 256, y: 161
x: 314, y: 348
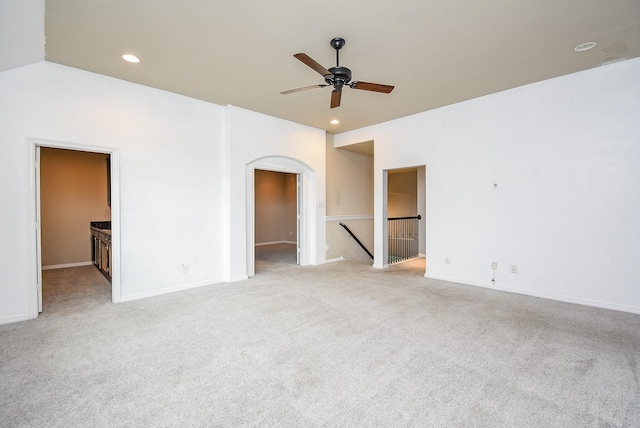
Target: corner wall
x: 349, y: 200
x: 565, y: 155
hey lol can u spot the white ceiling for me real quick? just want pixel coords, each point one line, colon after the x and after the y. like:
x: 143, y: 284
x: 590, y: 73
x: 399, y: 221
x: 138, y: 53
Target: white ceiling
x: 435, y: 52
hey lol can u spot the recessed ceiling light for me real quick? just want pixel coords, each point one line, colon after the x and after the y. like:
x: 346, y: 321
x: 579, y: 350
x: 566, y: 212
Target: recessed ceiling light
x: 335, y: 122
x: 584, y: 46
x: 130, y: 58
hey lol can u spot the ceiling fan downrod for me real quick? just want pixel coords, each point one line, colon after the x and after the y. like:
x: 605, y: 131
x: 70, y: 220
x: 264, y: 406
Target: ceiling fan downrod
x: 340, y: 75
x: 337, y: 43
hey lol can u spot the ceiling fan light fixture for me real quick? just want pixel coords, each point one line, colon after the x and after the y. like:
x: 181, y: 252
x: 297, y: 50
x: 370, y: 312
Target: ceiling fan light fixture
x: 585, y: 46
x: 131, y: 58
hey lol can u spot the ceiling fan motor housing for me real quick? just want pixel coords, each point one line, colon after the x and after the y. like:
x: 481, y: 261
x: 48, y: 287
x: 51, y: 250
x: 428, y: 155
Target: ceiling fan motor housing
x: 340, y: 77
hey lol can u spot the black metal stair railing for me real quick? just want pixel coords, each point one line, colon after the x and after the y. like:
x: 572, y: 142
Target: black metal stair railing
x: 404, y: 238
x: 357, y: 240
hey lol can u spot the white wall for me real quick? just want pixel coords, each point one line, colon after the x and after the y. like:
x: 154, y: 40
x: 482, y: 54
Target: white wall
x: 565, y: 154
x: 182, y: 166
x: 21, y: 33
x: 252, y: 136
x: 171, y: 165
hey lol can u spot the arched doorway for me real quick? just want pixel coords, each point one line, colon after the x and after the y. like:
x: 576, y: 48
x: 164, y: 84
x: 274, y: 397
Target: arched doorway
x: 306, y: 236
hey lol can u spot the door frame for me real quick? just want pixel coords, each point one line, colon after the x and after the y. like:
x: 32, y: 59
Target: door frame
x: 35, y: 236
x: 421, y: 201
x: 298, y: 178
x: 306, y: 203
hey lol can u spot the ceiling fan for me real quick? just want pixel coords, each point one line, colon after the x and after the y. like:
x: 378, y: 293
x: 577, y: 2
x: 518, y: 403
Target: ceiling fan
x: 337, y: 76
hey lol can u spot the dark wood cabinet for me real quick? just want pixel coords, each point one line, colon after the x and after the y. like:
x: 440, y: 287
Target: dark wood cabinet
x: 101, y: 250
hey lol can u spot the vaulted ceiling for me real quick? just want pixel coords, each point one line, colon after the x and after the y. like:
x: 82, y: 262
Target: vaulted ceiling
x: 435, y: 52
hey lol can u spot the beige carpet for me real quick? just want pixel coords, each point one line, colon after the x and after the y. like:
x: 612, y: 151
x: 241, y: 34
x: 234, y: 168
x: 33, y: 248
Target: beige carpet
x: 337, y: 345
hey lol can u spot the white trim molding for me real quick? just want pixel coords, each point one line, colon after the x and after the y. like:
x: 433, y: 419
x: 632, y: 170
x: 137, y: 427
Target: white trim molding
x: 548, y: 296
x: 171, y: 289
x: 349, y: 217
x: 15, y: 318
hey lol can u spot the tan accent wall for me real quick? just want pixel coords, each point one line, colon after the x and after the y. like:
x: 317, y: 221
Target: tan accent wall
x: 349, y: 193
x: 276, y: 207
x: 73, y: 192
x: 402, y: 193
x: 342, y: 245
x: 349, y: 181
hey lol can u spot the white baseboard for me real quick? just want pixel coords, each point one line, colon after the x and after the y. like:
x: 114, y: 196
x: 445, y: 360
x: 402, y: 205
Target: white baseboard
x: 570, y: 299
x: 66, y: 265
x: 542, y: 295
x: 459, y: 281
x: 15, y: 318
x: 166, y: 290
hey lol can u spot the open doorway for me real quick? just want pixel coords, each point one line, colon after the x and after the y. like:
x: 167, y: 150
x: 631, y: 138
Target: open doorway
x: 74, y: 186
x: 306, y: 202
x: 277, y: 218
x: 405, y: 212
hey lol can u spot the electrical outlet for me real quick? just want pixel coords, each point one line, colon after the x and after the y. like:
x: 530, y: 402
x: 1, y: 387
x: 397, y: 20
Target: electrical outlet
x: 494, y: 265
x: 514, y: 268
x: 447, y: 261
x: 185, y: 268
